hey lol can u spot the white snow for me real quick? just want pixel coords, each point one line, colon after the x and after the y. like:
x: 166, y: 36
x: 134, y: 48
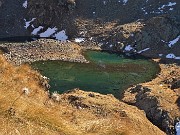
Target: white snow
x: 171, y: 9
x: 36, y: 30
x: 110, y: 45
x: 132, y: 35
x: 48, y: 32
x: 128, y: 48
x: 61, y: 35
x: 125, y: 1
x: 177, y: 58
x: 163, y: 41
x: 170, y: 56
x: 79, y: 40
x: 171, y: 43
x: 27, y: 23
x: 25, y: 4
x: 144, y: 10
x: 177, y: 127
x: 143, y: 50
x: 170, y: 4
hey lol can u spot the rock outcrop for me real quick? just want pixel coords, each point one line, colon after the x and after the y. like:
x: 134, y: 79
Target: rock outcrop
x: 159, y: 98
x: 145, y: 25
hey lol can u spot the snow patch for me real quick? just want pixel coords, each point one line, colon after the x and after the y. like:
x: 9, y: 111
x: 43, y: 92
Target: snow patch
x: 125, y: 1
x: 143, y: 50
x: 170, y: 4
x: 144, y: 10
x: 61, y: 35
x: 110, y: 45
x: 128, y: 48
x: 36, y: 30
x: 79, y: 40
x: 177, y: 127
x: 27, y: 23
x: 174, y: 41
x: 170, y: 56
x: 48, y: 32
x: 25, y: 4
x: 177, y: 58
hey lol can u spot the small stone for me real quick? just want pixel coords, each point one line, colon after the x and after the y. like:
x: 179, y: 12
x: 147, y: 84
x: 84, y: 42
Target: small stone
x: 26, y: 91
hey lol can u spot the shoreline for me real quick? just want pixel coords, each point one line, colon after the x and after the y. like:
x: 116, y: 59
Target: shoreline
x: 159, y: 98
x: 55, y: 50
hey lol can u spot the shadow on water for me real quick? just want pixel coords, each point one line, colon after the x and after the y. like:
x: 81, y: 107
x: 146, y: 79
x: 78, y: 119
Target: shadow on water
x: 17, y: 39
x: 21, y: 39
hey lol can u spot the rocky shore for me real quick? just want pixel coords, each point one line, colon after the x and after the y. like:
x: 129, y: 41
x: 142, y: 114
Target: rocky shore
x: 43, y: 49
x: 159, y: 98
x: 27, y: 108
x: 149, y: 28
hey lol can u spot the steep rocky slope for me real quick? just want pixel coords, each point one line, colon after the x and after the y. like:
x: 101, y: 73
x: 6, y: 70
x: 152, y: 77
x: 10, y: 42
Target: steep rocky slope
x: 12, y: 16
x: 26, y: 108
x: 141, y: 26
x: 159, y: 98
x: 147, y: 27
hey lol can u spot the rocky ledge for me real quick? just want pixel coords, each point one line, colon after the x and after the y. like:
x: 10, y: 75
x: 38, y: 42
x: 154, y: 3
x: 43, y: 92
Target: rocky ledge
x: 159, y: 98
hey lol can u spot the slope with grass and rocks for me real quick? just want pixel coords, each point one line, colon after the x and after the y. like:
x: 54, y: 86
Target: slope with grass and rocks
x: 28, y: 108
x: 159, y: 98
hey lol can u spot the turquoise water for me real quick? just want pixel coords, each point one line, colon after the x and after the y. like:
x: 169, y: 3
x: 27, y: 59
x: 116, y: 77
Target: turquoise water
x: 106, y: 73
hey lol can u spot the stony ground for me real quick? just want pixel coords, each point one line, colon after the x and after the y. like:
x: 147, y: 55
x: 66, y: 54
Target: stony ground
x: 159, y: 98
x: 43, y: 49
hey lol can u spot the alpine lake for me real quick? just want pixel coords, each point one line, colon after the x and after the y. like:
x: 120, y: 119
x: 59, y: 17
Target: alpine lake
x: 107, y: 73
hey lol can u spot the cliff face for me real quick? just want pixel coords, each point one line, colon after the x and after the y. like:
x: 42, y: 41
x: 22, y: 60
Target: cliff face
x: 159, y: 98
x: 130, y: 26
x: 12, y: 16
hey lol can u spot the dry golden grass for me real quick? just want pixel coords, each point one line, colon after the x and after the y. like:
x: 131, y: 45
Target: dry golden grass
x: 35, y: 113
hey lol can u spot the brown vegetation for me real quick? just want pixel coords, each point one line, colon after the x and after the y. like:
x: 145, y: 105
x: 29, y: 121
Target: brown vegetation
x: 159, y: 98
x: 26, y: 108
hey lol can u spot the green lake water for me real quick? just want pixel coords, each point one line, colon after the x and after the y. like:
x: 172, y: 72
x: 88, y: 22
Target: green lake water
x: 106, y: 73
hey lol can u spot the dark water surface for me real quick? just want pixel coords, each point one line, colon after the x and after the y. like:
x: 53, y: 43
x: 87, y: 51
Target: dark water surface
x: 106, y: 73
